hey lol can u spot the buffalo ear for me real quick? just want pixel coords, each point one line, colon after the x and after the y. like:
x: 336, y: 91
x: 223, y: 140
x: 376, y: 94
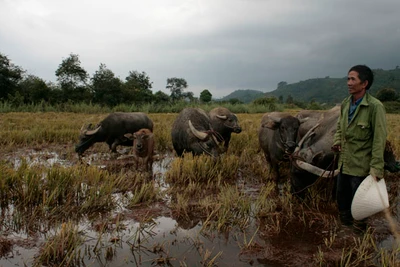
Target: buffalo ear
x: 129, y: 136
x: 272, y: 122
x: 271, y: 125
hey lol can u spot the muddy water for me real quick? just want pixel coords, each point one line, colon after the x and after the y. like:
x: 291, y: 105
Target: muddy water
x: 166, y: 241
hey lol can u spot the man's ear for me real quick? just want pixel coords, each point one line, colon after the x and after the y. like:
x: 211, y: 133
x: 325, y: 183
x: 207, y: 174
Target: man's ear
x: 365, y: 84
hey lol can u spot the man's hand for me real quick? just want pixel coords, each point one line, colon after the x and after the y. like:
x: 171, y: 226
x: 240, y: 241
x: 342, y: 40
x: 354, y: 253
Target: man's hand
x: 376, y: 178
x: 336, y: 148
x: 375, y: 174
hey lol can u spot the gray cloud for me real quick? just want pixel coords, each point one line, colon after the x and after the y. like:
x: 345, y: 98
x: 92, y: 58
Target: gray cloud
x: 217, y: 45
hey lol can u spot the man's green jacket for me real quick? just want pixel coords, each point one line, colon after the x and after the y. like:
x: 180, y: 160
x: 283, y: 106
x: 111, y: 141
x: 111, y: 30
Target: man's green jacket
x: 363, y: 139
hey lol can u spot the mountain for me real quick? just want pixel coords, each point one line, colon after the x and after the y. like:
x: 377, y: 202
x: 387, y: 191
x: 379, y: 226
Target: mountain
x: 321, y: 90
x: 334, y: 90
x: 244, y: 95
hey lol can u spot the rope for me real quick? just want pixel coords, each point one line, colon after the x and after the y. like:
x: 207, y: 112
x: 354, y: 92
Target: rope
x: 331, y: 165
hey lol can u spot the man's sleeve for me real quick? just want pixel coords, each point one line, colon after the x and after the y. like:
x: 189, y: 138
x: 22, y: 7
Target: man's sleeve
x: 379, y: 141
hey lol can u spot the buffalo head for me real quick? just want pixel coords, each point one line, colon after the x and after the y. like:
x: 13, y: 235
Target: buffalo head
x: 224, y: 122
x: 87, y: 137
x: 286, y: 128
x: 230, y: 122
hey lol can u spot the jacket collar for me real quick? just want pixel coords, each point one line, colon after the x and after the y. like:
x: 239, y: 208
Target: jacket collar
x: 364, y: 102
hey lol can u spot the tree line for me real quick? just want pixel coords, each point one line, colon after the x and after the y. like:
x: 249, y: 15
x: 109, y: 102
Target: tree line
x: 75, y: 85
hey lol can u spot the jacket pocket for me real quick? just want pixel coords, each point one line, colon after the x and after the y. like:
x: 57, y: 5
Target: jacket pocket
x: 362, y: 131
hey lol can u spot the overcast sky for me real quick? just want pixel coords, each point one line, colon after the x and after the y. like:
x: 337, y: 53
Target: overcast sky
x: 219, y: 45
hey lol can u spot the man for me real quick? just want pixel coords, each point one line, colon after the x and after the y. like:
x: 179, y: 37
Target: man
x: 360, y: 139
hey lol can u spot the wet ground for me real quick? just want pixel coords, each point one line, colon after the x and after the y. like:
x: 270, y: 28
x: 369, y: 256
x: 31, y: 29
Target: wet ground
x: 168, y: 240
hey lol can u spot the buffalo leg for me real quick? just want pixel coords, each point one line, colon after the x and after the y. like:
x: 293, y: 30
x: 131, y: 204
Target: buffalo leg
x: 275, y: 173
x: 149, y: 163
x: 114, y: 145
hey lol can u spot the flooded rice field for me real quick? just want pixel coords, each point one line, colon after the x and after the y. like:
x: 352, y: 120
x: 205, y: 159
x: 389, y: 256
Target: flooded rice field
x: 168, y: 232
x: 58, y: 210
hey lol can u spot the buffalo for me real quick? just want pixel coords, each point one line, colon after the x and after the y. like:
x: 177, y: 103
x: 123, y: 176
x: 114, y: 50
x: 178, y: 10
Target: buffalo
x: 313, y: 157
x: 192, y: 132
x: 225, y: 123
x: 143, y: 147
x: 112, y: 129
x: 277, y: 137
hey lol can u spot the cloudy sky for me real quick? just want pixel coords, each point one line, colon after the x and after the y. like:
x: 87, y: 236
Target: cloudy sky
x: 219, y: 45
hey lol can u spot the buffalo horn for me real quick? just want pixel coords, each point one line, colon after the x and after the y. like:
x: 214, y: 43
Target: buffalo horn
x: 303, y: 120
x: 306, y: 136
x: 197, y: 133
x: 92, y: 132
x: 222, y: 117
x: 315, y: 170
x: 83, y: 128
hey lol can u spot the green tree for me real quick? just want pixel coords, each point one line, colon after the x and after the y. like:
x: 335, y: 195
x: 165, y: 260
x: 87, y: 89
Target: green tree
x: 137, y: 88
x: 235, y: 101
x: 10, y: 75
x: 161, y: 97
x: 176, y: 86
x: 56, y: 94
x: 107, y: 89
x: 73, y: 79
x: 387, y: 94
x: 289, y: 99
x: 188, y: 95
x: 265, y: 101
x: 269, y: 102
x: 34, y: 89
x: 205, y: 96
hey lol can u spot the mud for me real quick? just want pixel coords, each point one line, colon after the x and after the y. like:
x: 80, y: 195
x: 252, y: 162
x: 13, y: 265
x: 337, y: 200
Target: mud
x: 170, y: 240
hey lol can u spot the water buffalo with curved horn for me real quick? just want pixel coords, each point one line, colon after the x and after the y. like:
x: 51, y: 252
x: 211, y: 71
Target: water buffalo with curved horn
x: 225, y: 123
x: 277, y: 137
x: 112, y: 129
x: 313, y: 157
x: 192, y: 132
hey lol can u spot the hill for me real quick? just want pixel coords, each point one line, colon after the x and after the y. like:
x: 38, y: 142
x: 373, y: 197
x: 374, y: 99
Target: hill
x: 334, y: 90
x: 244, y: 95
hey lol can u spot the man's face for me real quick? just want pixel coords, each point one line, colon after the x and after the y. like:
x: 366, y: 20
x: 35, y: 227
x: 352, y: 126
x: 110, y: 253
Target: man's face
x: 356, y: 87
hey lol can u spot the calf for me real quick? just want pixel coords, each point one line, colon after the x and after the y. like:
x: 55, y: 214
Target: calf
x: 143, y: 147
